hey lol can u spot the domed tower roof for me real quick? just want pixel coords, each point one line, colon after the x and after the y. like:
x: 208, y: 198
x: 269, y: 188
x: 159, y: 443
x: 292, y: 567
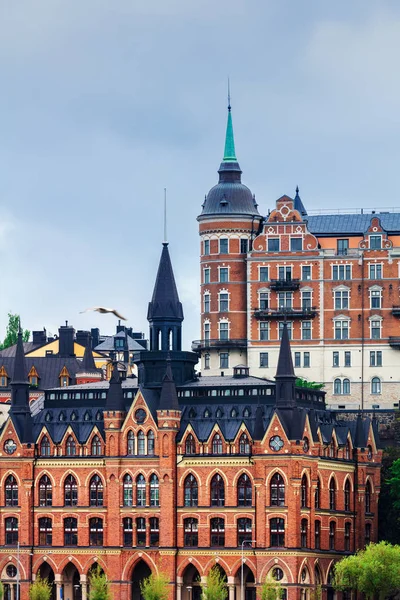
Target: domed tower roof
x: 229, y: 196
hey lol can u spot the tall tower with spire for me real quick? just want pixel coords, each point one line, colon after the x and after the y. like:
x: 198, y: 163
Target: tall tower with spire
x: 228, y: 223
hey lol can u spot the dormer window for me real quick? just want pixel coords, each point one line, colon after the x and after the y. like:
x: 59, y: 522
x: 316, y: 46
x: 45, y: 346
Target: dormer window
x: 246, y: 413
x: 375, y: 242
x: 87, y: 416
x: 3, y: 377
x: 119, y: 343
x: 219, y: 414
x: 240, y: 371
x: 33, y: 377
x: 73, y: 416
x: 98, y: 416
x: 64, y: 377
x: 48, y: 417
x: 61, y: 416
x: 207, y: 414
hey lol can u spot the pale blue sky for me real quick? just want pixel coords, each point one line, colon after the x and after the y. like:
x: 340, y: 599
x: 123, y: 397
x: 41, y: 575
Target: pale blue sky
x: 104, y: 103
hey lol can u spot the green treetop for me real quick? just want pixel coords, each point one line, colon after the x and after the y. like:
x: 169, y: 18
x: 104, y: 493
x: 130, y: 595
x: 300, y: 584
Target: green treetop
x: 12, y: 332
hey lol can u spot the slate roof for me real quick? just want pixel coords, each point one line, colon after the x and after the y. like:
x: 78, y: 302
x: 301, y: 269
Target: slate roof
x: 10, y: 352
x: 109, y: 345
x: 227, y: 380
x: 47, y: 367
x: 57, y: 420
x: 165, y: 303
x: 351, y: 223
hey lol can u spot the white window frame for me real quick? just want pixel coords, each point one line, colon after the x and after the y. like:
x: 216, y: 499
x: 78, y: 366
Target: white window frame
x: 223, y: 291
x: 375, y: 319
x: 375, y: 235
x: 374, y: 362
x: 376, y: 380
x: 268, y: 297
x: 206, y: 326
x: 267, y: 329
x: 374, y: 265
x: 224, y: 237
x: 289, y: 327
x: 228, y: 329
x: 308, y: 329
x: 219, y: 274
x: 285, y: 268
x: 341, y: 319
x: 206, y: 295
x: 375, y: 292
x: 344, y: 265
x: 264, y: 366
x: 306, y: 290
x: 208, y: 270
x: 204, y: 247
x: 343, y: 295
x: 259, y: 273
x: 287, y: 298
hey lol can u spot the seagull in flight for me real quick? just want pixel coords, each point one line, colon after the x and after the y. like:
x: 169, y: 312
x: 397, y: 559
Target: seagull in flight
x: 103, y: 310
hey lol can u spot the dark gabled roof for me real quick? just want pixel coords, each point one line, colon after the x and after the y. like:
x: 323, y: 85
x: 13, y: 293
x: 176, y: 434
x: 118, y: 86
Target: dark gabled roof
x: 47, y: 367
x: 10, y: 352
x: 350, y: 223
x: 88, y: 364
x: 82, y: 424
x: 109, y: 345
x: 165, y: 302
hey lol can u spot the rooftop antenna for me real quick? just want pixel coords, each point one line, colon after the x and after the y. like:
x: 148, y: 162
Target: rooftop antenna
x: 229, y: 95
x: 165, y: 216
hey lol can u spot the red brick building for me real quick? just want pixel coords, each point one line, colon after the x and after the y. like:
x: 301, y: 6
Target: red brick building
x: 177, y: 473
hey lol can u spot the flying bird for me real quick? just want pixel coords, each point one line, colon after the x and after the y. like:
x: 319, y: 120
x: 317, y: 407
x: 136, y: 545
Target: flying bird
x: 103, y: 310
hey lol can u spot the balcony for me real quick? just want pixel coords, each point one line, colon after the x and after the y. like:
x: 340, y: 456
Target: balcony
x: 394, y: 341
x: 198, y: 345
x: 283, y: 285
x: 396, y: 311
x: 289, y: 313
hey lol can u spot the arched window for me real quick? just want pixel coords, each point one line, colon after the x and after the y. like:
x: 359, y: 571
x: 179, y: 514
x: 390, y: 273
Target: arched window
x: 96, y: 491
x: 217, y: 491
x: 128, y: 490
x: 217, y: 532
x: 332, y: 535
x: 11, y: 489
x: 191, y: 532
x: 347, y: 536
x: 277, y: 490
x: 127, y: 526
x: 130, y: 443
x: 45, y: 531
x: 140, y: 531
x: 244, y: 444
x: 45, y: 446
x: 190, y: 446
x: 154, y: 491
x: 70, y: 491
x: 317, y: 536
x: 244, y: 531
x: 217, y: 444
x: 332, y: 449
x: 368, y: 497
x: 150, y: 443
x: 346, y: 387
x: 347, y: 495
x: 304, y: 492
x: 367, y: 533
x: 304, y: 533
x: 141, y: 450
x: 337, y: 386
x: 375, y: 385
x: 154, y: 531
x: 96, y: 446
x: 11, y: 531
x: 71, y: 446
x: 277, y: 533
x: 140, y: 490
x: 347, y: 452
x: 191, y: 491
x: 95, y: 531
x: 45, y: 491
x: 244, y: 491
x: 70, y: 531
x: 318, y: 494
x: 332, y: 494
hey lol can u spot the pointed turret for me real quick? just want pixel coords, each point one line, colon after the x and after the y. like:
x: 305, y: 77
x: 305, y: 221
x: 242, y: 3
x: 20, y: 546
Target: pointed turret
x: 229, y: 151
x: 165, y: 313
x: 115, y: 396
x: 88, y: 363
x: 259, y: 430
x: 298, y: 204
x: 285, y: 376
x: 168, y: 396
x: 20, y: 411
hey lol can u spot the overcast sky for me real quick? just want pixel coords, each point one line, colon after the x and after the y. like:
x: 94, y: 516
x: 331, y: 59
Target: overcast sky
x: 103, y: 103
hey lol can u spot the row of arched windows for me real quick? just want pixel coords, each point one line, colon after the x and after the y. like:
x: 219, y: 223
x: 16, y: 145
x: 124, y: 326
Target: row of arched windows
x: 217, y: 445
x: 141, y: 444
x: 71, y: 447
x: 342, y: 386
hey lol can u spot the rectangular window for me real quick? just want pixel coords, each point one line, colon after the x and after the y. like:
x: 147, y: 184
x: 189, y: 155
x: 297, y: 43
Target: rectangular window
x: 191, y: 535
x: 206, y: 332
x: 244, y: 246
x: 206, y: 247
x: 223, y: 246
x: 206, y: 361
x: 297, y: 360
x: 296, y: 244
x: 128, y: 531
x: 375, y: 271
x: 306, y: 360
x: 341, y: 299
x: 224, y: 360
x: 376, y: 330
x: 45, y: 532
x: 223, y: 302
x: 264, y: 300
x: 306, y: 300
x: 341, y: 272
x: 375, y: 358
x: 140, y: 531
x: 273, y: 245
x: 217, y: 532
x: 342, y: 246
x: 264, y: 331
x: 376, y: 299
x: 223, y: 275
x: 207, y: 275
x: 342, y: 330
x: 263, y: 273
x: 223, y: 331
x: 306, y: 330
x: 154, y: 531
x: 244, y: 531
x: 289, y: 327
x: 285, y: 300
x: 317, y: 535
x: 347, y: 358
x: 206, y: 303
x: 335, y: 362
x: 264, y: 359
x: 285, y: 273
x: 277, y: 533
x: 375, y: 242
x: 306, y: 272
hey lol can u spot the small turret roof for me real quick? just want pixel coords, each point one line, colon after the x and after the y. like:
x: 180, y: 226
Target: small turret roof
x: 165, y: 303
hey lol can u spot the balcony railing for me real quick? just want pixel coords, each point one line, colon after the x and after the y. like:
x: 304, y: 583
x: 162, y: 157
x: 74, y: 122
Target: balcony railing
x: 285, y: 284
x: 198, y: 345
x: 396, y: 311
x: 394, y: 341
x: 291, y: 313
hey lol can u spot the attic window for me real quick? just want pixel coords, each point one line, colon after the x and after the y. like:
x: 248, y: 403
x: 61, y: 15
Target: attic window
x: 87, y: 416
x: 207, y: 414
x: 61, y: 416
x: 219, y: 414
x: 192, y: 413
x: 246, y: 413
x: 119, y: 343
x: 64, y: 381
x: 48, y: 417
x: 234, y: 413
x: 3, y: 381
x: 33, y: 380
x: 98, y: 416
x: 73, y: 416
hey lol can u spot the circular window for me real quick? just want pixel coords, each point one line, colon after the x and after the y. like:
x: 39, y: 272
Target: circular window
x: 10, y: 446
x: 140, y: 415
x: 11, y: 571
x: 276, y: 443
x: 277, y: 574
x: 306, y: 445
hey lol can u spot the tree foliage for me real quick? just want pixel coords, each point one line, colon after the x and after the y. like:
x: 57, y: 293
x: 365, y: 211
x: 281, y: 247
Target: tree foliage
x: 40, y: 589
x: 12, y: 332
x: 99, y: 585
x: 271, y: 589
x: 394, y: 483
x: 374, y: 571
x: 155, y: 587
x: 215, y: 587
x: 1, y: 590
x: 389, y: 515
x: 310, y: 385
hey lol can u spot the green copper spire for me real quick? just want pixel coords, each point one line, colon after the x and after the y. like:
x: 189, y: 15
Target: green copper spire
x: 229, y: 152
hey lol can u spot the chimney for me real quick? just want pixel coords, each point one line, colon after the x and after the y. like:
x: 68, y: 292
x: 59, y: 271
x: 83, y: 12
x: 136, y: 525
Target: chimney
x: 66, y: 335
x: 95, y: 336
x: 39, y: 337
x: 83, y: 338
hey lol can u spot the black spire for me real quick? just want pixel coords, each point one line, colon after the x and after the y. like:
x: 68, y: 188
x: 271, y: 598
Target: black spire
x: 115, y: 396
x: 165, y: 313
x: 298, y: 204
x: 88, y: 363
x: 168, y: 396
x: 259, y: 430
x: 20, y: 411
x: 285, y: 376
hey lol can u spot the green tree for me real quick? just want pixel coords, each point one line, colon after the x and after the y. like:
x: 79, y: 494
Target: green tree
x: 271, y: 589
x: 394, y: 483
x: 12, y: 332
x: 99, y: 585
x: 374, y: 571
x: 155, y: 587
x: 310, y: 385
x: 1, y: 590
x: 215, y: 587
x: 389, y: 515
x: 40, y: 589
